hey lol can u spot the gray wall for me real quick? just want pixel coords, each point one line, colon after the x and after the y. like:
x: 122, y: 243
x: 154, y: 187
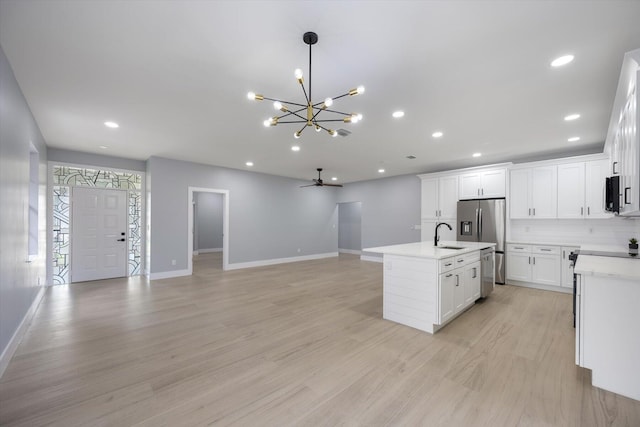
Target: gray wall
x: 270, y: 216
x: 350, y: 226
x: 208, y: 211
x: 390, y: 209
x: 19, y: 281
x: 81, y: 158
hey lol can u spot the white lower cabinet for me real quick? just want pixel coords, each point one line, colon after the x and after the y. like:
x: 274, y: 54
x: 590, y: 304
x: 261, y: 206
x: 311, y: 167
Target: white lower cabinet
x: 534, y: 264
x: 459, y: 285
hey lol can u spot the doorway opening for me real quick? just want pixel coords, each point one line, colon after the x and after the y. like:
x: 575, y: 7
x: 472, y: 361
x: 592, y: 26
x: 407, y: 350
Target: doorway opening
x: 208, y: 228
x: 350, y: 228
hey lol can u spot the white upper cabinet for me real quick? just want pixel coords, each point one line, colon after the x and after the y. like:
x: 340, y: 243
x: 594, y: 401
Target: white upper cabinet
x: 571, y: 187
x: 581, y: 189
x: 439, y: 197
x: 483, y: 184
x: 533, y: 192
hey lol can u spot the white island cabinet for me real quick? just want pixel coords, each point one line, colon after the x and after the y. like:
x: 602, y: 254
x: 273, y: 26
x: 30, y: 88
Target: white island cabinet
x: 607, y: 319
x: 425, y: 287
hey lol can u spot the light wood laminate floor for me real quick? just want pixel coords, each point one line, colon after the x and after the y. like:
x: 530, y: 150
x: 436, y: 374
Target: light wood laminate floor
x: 299, y: 344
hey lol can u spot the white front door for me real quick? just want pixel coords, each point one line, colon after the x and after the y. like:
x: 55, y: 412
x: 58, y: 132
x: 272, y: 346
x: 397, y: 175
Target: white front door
x: 98, y: 234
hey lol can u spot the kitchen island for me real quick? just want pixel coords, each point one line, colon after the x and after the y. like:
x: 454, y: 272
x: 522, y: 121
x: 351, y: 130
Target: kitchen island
x: 607, y: 319
x: 425, y: 286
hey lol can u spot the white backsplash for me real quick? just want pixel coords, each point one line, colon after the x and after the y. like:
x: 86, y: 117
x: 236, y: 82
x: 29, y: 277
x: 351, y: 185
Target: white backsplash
x: 611, y: 232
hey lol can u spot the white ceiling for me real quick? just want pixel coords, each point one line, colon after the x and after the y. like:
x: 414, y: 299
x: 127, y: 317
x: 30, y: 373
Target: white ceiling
x: 174, y: 75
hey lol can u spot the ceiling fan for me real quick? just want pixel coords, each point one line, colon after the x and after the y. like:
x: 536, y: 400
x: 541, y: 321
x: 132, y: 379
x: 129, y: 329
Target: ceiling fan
x: 319, y: 183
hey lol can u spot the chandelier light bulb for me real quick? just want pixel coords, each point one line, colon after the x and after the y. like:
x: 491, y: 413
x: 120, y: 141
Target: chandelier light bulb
x: 318, y: 128
x: 251, y: 96
x: 360, y: 90
x: 328, y: 102
x: 355, y: 118
x: 298, y: 74
x: 296, y: 135
x: 359, y: 116
x: 267, y: 123
x: 333, y: 133
x: 277, y: 105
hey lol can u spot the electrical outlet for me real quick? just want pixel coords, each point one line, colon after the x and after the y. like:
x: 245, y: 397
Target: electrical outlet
x: 298, y: 250
x: 173, y: 262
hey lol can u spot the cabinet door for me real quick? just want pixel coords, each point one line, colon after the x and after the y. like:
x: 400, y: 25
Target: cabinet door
x: 567, y: 270
x: 470, y: 186
x: 544, y: 188
x: 471, y: 283
x: 595, y: 178
x: 458, y: 291
x: 519, y: 193
x: 519, y: 266
x: 447, y: 285
x: 448, y: 196
x: 429, y: 198
x: 546, y: 269
x: 493, y: 183
x: 571, y: 190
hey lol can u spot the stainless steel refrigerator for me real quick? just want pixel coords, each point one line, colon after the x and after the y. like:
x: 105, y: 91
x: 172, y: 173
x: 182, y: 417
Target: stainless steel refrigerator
x: 484, y: 221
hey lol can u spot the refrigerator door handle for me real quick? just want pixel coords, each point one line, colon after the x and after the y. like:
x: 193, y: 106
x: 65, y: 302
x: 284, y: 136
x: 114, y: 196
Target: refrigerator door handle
x: 480, y: 225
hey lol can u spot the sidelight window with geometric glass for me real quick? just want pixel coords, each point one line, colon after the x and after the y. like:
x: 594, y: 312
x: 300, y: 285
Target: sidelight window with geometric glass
x: 65, y: 177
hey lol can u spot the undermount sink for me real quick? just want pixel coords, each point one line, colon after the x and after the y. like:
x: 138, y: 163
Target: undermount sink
x: 450, y: 247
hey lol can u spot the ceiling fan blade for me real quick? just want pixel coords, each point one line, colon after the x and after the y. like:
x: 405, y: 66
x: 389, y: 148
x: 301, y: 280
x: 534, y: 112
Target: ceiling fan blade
x: 310, y: 185
x: 332, y: 185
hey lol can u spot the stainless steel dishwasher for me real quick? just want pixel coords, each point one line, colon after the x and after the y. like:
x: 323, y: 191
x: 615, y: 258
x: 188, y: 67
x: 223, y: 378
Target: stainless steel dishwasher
x: 487, y: 271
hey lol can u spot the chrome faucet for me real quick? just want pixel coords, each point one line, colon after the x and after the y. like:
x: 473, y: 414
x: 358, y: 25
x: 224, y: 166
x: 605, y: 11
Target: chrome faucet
x: 436, y: 238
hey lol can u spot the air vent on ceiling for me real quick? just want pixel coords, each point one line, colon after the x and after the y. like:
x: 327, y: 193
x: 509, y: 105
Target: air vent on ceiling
x: 411, y: 157
x: 343, y: 132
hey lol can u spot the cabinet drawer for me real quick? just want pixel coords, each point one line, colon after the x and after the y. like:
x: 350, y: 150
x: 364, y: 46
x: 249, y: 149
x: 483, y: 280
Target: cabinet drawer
x: 546, y: 250
x: 467, y: 259
x: 447, y: 264
x: 512, y: 247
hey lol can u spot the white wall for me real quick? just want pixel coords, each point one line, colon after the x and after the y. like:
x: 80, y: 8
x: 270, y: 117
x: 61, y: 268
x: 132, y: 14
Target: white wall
x: 20, y: 282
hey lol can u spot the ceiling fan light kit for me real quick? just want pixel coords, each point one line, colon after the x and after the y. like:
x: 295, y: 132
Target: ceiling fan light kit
x: 307, y: 113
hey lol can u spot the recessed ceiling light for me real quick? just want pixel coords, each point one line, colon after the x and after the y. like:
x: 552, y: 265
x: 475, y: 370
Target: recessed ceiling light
x: 574, y: 139
x: 398, y: 114
x: 104, y: 147
x: 572, y: 117
x: 380, y: 170
x: 295, y: 148
x: 477, y: 154
x: 437, y: 134
x: 112, y: 125
x: 563, y: 60
x: 335, y: 178
x: 249, y: 164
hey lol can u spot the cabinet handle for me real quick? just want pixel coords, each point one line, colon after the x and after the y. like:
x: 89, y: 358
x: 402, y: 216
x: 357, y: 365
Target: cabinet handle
x: 474, y: 273
x: 460, y: 260
x: 534, y: 260
x: 588, y: 210
x: 563, y: 257
x: 581, y: 211
x: 449, y: 275
x: 529, y: 260
x: 457, y: 280
x: 613, y: 169
x: 529, y: 211
x: 534, y: 211
x: 482, y: 191
x: 448, y: 265
x: 626, y: 189
x: 545, y: 250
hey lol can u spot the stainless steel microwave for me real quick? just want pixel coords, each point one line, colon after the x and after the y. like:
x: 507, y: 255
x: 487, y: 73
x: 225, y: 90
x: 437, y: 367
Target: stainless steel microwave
x: 612, y: 194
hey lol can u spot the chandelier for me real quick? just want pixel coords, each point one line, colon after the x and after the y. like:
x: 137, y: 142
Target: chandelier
x: 308, y: 113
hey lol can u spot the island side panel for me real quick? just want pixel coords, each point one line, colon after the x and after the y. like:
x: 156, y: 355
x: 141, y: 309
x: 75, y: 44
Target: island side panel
x: 410, y: 291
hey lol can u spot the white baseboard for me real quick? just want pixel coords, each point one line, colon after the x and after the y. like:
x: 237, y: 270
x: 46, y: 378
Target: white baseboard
x: 206, y: 251
x: 370, y: 258
x: 196, y: 253
x: 15, y: 340
x: 539, y: 286
x: 350, y: 251
x: 262, y: 263
x: 169, y: 274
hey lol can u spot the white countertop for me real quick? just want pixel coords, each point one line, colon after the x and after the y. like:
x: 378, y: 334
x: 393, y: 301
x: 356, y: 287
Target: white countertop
x: 427, y: 250
x: 621, y: 268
